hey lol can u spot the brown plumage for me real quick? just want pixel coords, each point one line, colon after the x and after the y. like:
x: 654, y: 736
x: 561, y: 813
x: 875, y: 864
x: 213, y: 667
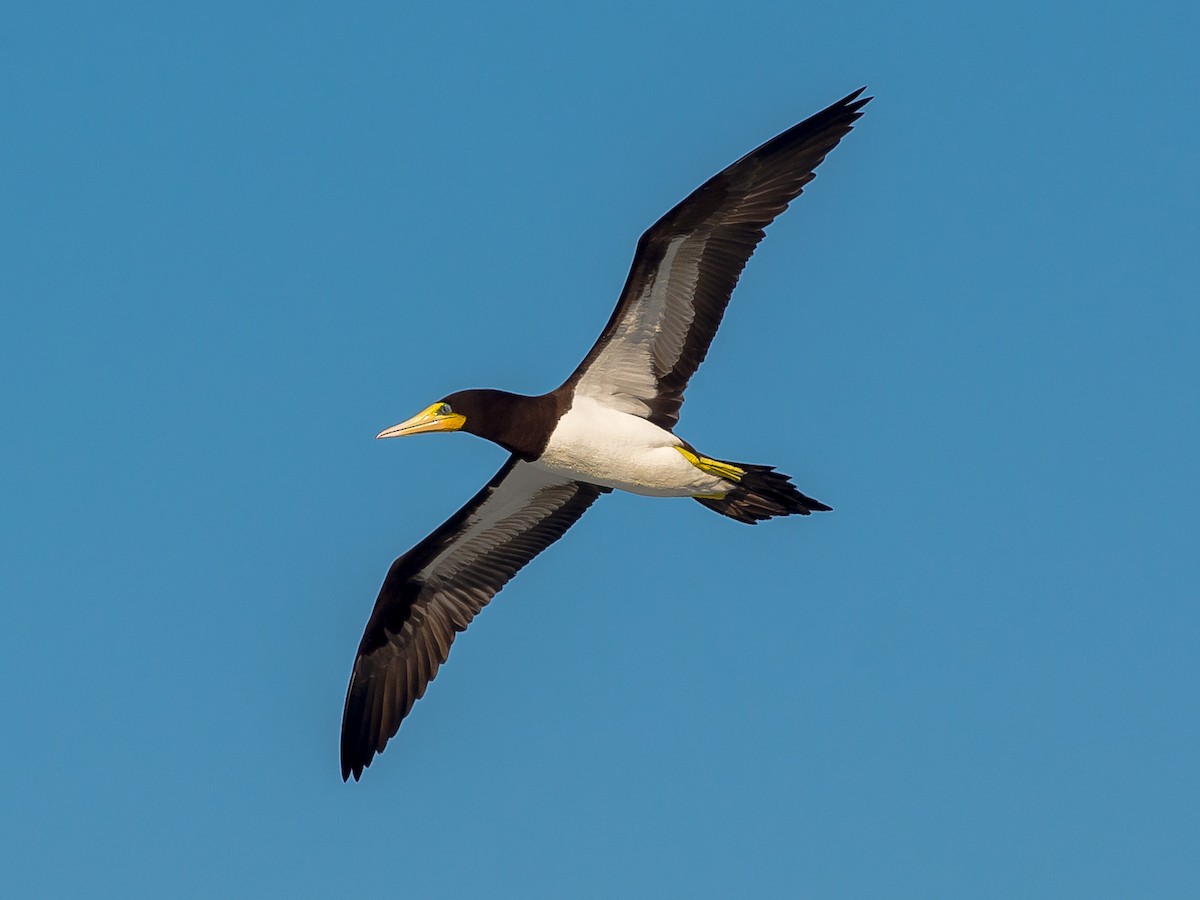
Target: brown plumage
x: 685, y: 268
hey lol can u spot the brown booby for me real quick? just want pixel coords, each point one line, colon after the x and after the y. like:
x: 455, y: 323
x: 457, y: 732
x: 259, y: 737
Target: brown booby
x: 610, y: 425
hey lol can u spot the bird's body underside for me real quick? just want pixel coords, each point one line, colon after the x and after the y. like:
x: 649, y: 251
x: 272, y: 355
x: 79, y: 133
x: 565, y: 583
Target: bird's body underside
x: 609, y: 426
x: 612, y: 449
x: 604, y: 446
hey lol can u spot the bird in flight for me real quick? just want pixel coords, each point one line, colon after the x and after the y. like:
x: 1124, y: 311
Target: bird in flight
x: 609, y: 426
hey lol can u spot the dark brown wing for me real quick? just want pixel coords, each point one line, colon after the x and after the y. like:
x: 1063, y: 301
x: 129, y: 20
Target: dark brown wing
x: 434, y: 591
x: 688, y: 264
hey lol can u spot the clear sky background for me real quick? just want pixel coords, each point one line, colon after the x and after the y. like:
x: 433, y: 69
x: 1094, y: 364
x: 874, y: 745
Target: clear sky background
x: 239, y: 240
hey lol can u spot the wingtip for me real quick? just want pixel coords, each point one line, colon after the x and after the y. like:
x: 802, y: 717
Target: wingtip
x: 352, y: 757
x: 854, y: 101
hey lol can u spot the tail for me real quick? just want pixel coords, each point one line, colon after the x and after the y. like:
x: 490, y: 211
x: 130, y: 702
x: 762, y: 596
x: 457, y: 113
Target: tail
x: 762, y: 493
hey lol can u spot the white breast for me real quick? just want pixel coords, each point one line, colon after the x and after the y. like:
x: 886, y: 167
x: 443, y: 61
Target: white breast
x: 593, y: 442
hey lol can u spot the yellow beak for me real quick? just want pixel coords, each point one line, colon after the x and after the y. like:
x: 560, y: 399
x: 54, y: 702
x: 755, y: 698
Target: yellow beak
x: 427, y: 420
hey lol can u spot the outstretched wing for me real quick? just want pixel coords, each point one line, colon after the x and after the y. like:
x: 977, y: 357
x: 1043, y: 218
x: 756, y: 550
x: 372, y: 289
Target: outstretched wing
x: 688, y: 264
x: 434, y: 591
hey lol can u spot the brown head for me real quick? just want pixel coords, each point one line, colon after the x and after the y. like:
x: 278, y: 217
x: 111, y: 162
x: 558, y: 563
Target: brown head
x: 518, y: 423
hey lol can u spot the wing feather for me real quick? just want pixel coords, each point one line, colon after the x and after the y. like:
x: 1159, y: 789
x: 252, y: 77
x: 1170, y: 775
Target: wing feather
x: 688, y: 263
x: 434, y: 591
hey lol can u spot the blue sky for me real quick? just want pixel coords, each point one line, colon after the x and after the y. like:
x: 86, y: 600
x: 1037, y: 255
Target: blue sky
x: 240, y: 240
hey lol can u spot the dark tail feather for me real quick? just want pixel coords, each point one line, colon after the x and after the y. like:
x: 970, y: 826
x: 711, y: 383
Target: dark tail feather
x: 762, y: 493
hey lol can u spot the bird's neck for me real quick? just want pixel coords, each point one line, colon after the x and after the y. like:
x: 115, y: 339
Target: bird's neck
x: 518, y: 423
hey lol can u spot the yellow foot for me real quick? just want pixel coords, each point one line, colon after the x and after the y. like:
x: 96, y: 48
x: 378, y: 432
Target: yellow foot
x: 725, y: 470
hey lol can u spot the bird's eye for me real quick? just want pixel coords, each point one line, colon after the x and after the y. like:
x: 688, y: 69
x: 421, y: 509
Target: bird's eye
x: 444, y: 410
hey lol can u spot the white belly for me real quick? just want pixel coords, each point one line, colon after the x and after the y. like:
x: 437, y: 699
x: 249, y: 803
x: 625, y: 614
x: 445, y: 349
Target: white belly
x: 601, y: 445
